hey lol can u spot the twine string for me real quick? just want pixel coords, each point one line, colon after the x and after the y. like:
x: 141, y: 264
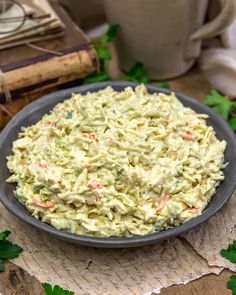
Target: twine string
x: 6, y: 90
x: 7, y: 94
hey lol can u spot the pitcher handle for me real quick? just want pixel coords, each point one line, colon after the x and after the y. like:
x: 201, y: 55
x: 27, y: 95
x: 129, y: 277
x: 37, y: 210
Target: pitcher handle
x: 217, y: 25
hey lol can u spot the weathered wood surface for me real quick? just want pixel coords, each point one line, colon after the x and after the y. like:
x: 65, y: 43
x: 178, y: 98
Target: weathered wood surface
x: 15, y: 281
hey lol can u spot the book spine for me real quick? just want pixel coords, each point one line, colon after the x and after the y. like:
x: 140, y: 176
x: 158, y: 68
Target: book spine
x: 32, y: 81
x: 56, y: 70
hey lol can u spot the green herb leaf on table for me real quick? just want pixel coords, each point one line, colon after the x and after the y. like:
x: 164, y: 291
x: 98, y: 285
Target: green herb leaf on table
x: 111, y: 34
x: 2, y: 268
x: 163, y: 84
x: 98, y: 77
x: 232, y: 284
x: 137, y: 74
x: 233, y: 105
x: 232, y: 123
x: 219, y: 103
x: 223, y: 111
x: 230, y: 252
x: 4, y: 235
x: 8, y: 250
x: 56, y: 290
x: 103, y: 53
x: 215, y: 98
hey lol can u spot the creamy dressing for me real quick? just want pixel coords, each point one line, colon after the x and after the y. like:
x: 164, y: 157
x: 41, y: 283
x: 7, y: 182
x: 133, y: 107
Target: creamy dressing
x: 117, y: 163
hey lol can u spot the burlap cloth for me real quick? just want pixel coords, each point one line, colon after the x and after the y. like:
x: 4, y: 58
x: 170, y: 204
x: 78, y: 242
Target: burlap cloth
x: 125, y: 271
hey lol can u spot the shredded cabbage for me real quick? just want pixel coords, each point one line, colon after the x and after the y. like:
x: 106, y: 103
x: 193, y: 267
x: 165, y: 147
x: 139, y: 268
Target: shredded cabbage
x: 114, y: 163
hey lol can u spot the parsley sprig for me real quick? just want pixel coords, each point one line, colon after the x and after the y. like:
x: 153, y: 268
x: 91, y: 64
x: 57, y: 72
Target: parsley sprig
x: 231, y: 284
x: 104, y: 55
x: 56, y: 290
x: 230, y: 254
x: 4, y: 235
x: 223, y: 106
x: 8, y: 250
x: 137, y: 72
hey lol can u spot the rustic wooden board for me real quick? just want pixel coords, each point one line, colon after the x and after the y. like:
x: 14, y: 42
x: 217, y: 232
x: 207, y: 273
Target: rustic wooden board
x: 210, y: 285
x: 15, y: 281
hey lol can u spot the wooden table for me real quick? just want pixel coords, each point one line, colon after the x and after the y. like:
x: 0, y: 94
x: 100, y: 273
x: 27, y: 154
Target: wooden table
x: 15, y: 281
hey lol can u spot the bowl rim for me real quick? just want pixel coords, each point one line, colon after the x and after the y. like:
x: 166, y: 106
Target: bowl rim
x: 113, y: 242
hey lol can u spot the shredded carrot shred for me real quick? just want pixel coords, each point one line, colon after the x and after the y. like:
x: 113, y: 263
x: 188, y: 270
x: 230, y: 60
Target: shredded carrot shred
x: 43, y: 205
x: 95, y: 185
x: 164, y: 200
x: 90, y: 135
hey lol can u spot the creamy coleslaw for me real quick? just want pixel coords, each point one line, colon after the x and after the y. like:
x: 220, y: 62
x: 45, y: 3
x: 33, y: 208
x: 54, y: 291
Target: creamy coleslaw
x: 114, y: 163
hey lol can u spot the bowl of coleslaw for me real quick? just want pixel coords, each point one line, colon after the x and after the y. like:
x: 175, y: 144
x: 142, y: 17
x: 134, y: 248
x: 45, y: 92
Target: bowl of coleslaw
x: 116, y: 164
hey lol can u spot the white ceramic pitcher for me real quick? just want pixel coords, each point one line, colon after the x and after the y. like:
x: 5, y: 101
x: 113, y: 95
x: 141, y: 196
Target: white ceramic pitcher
x: 165, y: 35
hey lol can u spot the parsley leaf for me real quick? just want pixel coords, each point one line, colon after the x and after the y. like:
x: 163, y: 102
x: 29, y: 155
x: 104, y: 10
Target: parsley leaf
x: 219, y: 103
x: 97, y: 77
x: 233, y: 104
x: 163, y: 84
x: 2, y: 268
x: 137, y: 74
x: 232, y: 123
x: 215, y: 98
x: 110, y: 34
x: 8, y: 250
x: 232, y: 284
x: 56, y: 290
x: 223, y: 106
x: 230, y: 252
x: 4, y: 235
x: 222, y: 110
x: 104, y: 56
x: 103, y: 53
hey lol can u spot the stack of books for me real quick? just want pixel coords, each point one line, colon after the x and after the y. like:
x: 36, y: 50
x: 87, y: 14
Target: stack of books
x: 27, y: 73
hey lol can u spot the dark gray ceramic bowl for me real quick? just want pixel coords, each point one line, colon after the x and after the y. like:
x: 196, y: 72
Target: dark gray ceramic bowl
x: 33, y: 112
